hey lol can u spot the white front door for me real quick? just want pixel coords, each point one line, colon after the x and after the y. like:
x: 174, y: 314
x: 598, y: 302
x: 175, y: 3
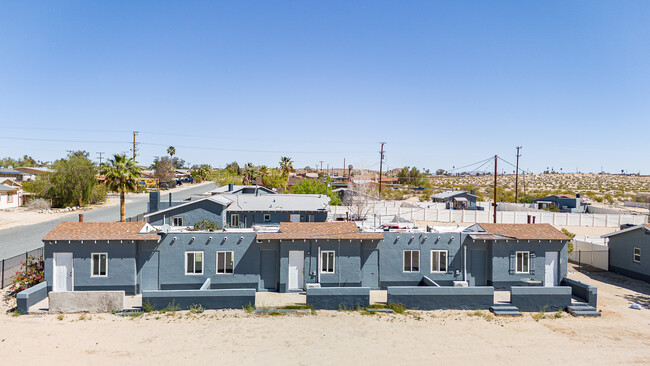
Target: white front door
x: 296, y: 269
x: 294, y: 218
x: 62, y: 272
x: 550, y: 269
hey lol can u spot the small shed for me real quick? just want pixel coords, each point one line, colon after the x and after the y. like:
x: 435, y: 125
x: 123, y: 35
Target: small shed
x: 457, y: 200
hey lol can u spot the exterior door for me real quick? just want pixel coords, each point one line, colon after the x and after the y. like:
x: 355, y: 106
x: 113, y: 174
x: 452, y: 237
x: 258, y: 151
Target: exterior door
x: 370, y: 269
x: 550, y: 269
x: 296, y: 270
x: 268, y: 270
x: 63, y: 272
x: 477, y: 267
x: 294, y: 218
x: 149, y: 277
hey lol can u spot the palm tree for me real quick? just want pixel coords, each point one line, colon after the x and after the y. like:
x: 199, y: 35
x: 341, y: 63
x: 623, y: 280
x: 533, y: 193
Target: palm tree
x: 122, y: 175
x: 250, y: 173
x: 171, y: 151
x: 286, y: 166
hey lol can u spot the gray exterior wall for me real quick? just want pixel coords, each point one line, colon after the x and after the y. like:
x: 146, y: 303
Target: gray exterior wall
x: 587, y: 293
x: 540, y: 298
x: 501, y: 260
x: 248, y: 219
x: 31, y: 296
x: 621, y: 254
x: 435, y: 298
x: 121, y: 265
x: 191, y: 214
x: 335, y: 298
x: 209, y: 299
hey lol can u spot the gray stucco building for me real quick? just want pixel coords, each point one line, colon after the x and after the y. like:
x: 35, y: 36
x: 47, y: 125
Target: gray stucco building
x: 628, y: 252
x: 457, y: 200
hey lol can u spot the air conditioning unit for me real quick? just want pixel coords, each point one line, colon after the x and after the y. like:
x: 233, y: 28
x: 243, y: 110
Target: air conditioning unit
x: 461, y: 284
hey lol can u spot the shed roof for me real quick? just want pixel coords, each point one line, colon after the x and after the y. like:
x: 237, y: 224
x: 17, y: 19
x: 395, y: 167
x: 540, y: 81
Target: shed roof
x: 644, y: 226
x: 320, y: 230
x: 101, y: 231
x: 449, y: 194
x: 517, y: 231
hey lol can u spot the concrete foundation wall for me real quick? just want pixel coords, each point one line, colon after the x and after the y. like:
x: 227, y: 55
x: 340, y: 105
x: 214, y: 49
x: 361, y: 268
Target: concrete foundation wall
x: 31, y: 296
x: 586, y: 292
x: 540, y: 298
x: 334, y: 298
x: 86, y: 301
x: 209, y: 299
x: 435, y: 298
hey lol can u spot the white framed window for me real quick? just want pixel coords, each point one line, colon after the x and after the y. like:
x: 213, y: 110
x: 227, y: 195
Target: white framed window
x: 193, y: 263
x: 637, y: 255
x: 99, y: 265
x: 225, y: 262
x: 523, y: 262
x: 310, y: 218
x: 267, y: 217
x: 411, y: 261
x: 10, y: 197
x: 438, y: 261
x: 327, y: 259
x: 234, y: 220
x: 177, y: 221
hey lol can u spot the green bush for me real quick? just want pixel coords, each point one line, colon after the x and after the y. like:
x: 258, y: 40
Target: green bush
x: 148, y: 307
x: 206, y: 224
x: 31, y: 274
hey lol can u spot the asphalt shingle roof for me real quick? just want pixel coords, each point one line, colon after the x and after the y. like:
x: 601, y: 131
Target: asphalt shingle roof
x: 319, y: 230
x: 99, y: 231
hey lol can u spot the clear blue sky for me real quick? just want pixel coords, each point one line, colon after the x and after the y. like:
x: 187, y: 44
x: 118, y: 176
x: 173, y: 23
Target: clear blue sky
x: 443, y: 83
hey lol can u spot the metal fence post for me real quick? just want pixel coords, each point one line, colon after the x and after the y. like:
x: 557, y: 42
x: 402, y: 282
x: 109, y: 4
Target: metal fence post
x: 2, y: 275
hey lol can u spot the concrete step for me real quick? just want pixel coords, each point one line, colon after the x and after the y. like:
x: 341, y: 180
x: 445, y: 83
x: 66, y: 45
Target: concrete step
x: 583, y: 310
x: 505, y: 310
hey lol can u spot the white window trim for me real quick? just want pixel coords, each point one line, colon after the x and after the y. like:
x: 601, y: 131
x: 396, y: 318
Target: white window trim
x: 516, y: 262
x: 265, y: 217
x: 333, y: 261
x: 311, y: 218
x: 92, y: 265
x: 174, y: 218
x: 634, y: 255
x: 202, y: 264
x: 438, y: 264
x: 232, y: 253
x: 232, y: 217
x: 404, y: 260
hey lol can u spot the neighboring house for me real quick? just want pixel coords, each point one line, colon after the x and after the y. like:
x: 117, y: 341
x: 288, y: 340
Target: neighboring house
x: 88, y: 256
x: 629, y: 252
x: 103, y: 256
x: 502, y: 255
x: 240, y: 210
x: 563, y: 202
x: 15, y: 174
x: 10, y: 196
x: 34, y: 172
x: 457, y: 200
x: 240, y: 189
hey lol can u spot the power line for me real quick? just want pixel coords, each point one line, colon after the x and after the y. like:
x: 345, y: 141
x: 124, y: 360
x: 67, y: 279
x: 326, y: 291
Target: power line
x: 468, y: 165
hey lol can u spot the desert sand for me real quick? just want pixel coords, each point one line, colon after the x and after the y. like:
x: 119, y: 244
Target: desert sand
x: 620, y: 336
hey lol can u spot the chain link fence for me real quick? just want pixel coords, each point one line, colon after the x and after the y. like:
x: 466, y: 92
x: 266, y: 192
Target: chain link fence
x: 9, y: 266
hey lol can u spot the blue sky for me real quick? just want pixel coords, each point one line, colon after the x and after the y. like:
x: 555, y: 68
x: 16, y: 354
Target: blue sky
x: 444, y: 83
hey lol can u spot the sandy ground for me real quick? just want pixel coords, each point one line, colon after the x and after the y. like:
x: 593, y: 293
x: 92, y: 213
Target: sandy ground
x: 20, y: 216
x: 620, y: 336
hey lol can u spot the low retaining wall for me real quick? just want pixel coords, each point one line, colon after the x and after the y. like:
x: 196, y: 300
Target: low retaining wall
x: 31, y: 296
x: 86, y: 301
x: 334, y: 298
x: 540, y: 298
x: 209, y: 299
x: 586, y: 292
x: 436, y: 298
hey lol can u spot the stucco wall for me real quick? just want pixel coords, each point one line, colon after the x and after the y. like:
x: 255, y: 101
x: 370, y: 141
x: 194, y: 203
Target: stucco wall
x: 121, y: 265
x: 391, y: 257
x: 621, y: 254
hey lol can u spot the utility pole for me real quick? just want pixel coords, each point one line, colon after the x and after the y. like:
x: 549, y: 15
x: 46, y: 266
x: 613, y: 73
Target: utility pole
x: 100, y: 157
x: 517, y: 177
x: 495, y: 188
x: 344, y: 168
x: 134, y: 144
x: 321, y: 165
x: 381, y: 161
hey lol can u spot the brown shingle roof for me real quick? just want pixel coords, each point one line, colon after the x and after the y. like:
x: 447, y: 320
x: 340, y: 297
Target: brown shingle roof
x: 525, y: 231
x: 99, y: 231
x: 319, y: 230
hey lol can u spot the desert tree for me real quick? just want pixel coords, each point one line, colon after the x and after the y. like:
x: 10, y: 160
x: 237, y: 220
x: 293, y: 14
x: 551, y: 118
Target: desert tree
x: 122, y: 175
